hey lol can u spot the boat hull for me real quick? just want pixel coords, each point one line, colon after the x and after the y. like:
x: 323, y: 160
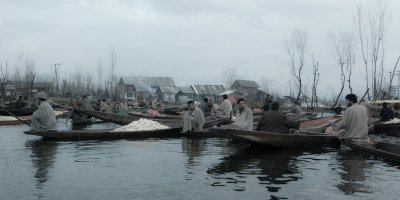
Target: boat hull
x: 282, y: 141
x: 383, y: 150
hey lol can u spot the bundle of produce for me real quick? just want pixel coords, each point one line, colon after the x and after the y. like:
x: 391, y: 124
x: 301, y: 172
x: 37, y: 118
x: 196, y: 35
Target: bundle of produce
x: 392, y: 121
x: 141, y: 125
x: 7, y: 118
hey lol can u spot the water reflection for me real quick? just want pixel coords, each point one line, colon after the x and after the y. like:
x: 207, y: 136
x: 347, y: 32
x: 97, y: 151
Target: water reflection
x: 353, y: 173
x: 275, y: 168
x: 193, y: 148
x: 43, y: 158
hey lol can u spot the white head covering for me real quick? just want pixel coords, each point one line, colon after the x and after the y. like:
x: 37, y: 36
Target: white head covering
x: 42, y: 95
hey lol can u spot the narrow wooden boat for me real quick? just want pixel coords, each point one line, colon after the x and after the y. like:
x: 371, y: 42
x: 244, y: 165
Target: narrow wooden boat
x: 126, y: 119
x: 103, y: 134
x: 281, y: 140
x: 18, y: 112
x: 380, y: 149
x: 161, y: 116
x: 26, y: 119
x: 392, y: 129
x: 318, y: 124
x: 119, y: 119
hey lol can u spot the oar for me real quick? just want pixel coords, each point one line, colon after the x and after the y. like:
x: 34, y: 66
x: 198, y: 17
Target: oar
x: 366, y: 92
x: 17, y: 117
x: 70, y: 114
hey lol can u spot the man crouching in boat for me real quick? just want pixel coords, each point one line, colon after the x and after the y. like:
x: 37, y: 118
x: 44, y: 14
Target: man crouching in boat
x: 275, y: 121
x: 354, y: 124
x: 193, y: 119
x: 44, y: 117
x: 244, y: 117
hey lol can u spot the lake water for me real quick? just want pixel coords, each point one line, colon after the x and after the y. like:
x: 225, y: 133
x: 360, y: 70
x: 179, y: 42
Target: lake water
x: 32, y: 168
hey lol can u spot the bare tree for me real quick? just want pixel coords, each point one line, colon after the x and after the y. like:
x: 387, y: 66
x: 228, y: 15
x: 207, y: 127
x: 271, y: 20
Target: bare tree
x: 4, y: 76
x: 314, y: 97
x: 339, y: 48
x: 100, y: 77
x: 30, y: 76
x: 56, y: 77
x: 371, y: 35
x: 230, y: 76
x: 391, y: 77
x: 113, y: 60
x: 295, y: 47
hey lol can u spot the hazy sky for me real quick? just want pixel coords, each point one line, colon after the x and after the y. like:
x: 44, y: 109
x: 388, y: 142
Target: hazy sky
x: 192, y: 41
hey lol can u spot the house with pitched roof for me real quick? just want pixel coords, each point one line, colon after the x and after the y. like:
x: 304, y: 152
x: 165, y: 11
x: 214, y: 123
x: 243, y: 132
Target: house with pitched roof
x: 253, y: 95
x: 131, y: 87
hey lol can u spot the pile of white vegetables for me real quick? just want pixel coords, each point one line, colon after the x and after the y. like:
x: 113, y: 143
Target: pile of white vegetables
x: 57, y: 112
x: 7, y: 118
x: 392, y: 121
x: 141, y: 125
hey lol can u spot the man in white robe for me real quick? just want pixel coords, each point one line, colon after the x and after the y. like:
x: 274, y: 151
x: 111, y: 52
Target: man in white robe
x: 225, y: 109
x: 194, y: 119
x: 354, y: 124
x: 244, y: 117
x: 44, y: 117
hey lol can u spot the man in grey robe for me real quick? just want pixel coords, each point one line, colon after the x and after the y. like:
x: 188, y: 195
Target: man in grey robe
x: 225, y: 109
x: 44, y: 117
x: 203, y: 106
x: 275, y: 121
x: 244, y: 117
x: 194, y: 119
x: 354, y: 124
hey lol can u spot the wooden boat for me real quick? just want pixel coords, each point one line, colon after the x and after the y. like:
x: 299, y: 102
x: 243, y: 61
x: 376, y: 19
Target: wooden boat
x: 26, y: 119
x: 106, y: 134
x: 126, y: 119
x: 103, y: 134
x: 318, y: 124
x: 119, y: 119
x: 281, y: 140
x: 380, y: 149
x: 18, y: 112
x: 161, y: 116
x: 392, y: 129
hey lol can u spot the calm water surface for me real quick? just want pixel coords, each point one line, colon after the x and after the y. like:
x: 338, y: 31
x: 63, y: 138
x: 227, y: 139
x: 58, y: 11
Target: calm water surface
x: 32, y: 168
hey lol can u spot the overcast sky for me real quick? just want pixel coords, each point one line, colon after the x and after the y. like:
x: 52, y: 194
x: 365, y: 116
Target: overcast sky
x: 194, y: 42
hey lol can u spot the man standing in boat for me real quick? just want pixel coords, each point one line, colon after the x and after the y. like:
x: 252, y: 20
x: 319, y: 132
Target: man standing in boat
x: 386, y: 113
x: 275, y: 121
x: 244, y: 117
x: 193, y: 119
x: 354, y: 124
x: 44, y: 117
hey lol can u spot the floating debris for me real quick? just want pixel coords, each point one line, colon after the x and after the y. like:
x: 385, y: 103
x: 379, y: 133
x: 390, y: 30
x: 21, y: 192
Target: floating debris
x: 141, y: 125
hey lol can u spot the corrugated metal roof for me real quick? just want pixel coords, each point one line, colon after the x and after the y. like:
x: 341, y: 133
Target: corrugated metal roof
x: 246, y: 83
x: 186, y: 90
x: 209, y: 89
x: 150, y: 81
x: 170, y: 90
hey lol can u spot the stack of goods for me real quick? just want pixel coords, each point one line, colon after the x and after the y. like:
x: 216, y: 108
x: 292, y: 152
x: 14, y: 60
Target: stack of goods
x: 141, y: 125
x: 7, y: 118
x: 393, y: 121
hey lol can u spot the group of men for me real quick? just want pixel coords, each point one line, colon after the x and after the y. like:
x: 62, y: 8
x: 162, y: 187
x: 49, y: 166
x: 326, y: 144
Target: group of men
x: 354, y: 123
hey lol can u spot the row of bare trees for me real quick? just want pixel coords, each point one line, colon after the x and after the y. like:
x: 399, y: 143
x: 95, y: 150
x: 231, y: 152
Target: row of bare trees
x: 372, y: 26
